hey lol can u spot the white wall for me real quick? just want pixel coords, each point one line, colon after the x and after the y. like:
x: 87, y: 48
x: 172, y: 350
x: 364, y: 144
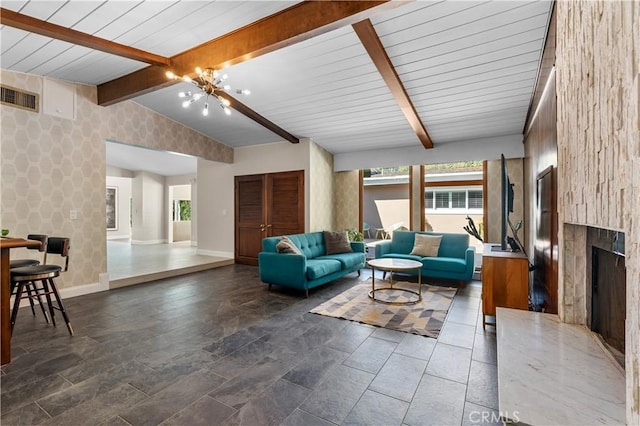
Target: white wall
x: 477, y: 149
x: 149, y: 215
x: 215, y: 191
x: 183, y: 181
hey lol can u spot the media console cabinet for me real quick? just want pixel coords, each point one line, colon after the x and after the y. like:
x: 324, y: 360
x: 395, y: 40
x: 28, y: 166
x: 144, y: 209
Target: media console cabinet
x: 505, y: 281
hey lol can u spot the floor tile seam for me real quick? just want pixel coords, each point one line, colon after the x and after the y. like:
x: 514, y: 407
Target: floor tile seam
x: 191, y: 404
x: 449, y: 380
x: 414, y: 357
x: 314, y: 415
x: 483, y: 362
x: 358, y: 401
x: 391, y: 396
x: 42, y: 408
x: 119, y: 417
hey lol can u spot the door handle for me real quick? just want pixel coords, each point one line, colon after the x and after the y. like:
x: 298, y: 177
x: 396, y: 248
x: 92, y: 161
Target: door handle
x: 269, y: 225
x: 262, y: 227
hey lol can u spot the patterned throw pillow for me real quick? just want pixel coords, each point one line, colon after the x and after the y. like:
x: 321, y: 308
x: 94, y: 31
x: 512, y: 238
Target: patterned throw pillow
x: 336, y: 242
x: 426, y: 245
x: 285, y: 245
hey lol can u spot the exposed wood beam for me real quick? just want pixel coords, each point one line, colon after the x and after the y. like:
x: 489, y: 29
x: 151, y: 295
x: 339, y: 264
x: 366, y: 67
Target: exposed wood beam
x: 297, y: 23
x: 373, y: 45
x: 243, y: 109
x: 37, y: 26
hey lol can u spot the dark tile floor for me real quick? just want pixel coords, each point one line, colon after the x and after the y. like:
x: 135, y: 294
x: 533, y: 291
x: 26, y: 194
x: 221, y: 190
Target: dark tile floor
x: 216, y: 347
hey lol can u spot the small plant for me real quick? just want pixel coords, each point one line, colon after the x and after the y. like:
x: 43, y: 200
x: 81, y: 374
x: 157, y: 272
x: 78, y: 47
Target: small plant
x: 354, y: 235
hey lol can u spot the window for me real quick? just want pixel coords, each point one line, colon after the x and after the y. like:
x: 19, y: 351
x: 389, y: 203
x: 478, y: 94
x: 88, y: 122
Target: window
x: 442, y: 200
x: 475, y: 199
x: 429, y: 200
x: 181, y: 210
x: 459, y: 199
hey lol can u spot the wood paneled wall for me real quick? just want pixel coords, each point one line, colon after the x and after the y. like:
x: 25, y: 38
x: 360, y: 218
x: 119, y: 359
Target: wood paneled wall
x: 541, y: 151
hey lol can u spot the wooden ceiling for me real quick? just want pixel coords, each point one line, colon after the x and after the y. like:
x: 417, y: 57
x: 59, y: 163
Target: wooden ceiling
x: 462, y: 70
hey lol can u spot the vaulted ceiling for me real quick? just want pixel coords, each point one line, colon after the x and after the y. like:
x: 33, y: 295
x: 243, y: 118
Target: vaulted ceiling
x: 467, y: 69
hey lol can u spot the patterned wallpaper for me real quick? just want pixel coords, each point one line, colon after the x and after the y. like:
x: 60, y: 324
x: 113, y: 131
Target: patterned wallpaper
x: 321, y: 215
x: 346, y: 199
x: 51, y: 165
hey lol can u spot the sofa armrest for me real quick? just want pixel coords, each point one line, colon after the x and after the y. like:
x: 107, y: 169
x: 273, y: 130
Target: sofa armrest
x: 470, y: 259
x: 357, y: 246
x: 383, y: 248
x: 283, y: 269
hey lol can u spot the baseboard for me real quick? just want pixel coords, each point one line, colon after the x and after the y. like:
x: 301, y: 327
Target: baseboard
x: 224, y: 254
x: 118, y: 237
x: 79, y: 290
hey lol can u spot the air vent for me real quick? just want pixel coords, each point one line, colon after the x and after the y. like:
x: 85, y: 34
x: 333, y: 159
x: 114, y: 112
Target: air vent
x: 19, y: 98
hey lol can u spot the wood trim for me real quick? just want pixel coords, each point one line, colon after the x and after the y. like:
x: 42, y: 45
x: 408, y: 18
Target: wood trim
x: 253, y: 115
x: 422, y: 187
x: 297, y: 23
x: 485, y: 202
x: 37, y: 26
x: 411, y: 198
x: 455, y: 183
x: 371, y: 42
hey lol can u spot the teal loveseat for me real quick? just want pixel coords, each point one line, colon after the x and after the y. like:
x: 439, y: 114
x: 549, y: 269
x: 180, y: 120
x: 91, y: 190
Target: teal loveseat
x: 455, y: 258
x: 311, y: 269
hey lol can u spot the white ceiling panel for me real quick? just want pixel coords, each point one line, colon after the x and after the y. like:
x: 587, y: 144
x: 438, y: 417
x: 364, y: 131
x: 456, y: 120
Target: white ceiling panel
x: 469, y: 67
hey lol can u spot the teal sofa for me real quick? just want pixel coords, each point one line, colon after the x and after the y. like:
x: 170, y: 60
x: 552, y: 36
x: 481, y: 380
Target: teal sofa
x: 455, y: 258
x: 310, y: 270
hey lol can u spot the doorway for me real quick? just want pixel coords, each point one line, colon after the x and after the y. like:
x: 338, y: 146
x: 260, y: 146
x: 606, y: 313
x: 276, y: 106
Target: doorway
x: 266, y: 205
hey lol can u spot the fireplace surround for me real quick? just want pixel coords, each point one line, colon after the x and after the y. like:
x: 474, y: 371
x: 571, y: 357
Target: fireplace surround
x: 595, y: 284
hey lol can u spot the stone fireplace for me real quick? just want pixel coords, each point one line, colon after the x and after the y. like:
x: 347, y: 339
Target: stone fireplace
x: 595, y: 284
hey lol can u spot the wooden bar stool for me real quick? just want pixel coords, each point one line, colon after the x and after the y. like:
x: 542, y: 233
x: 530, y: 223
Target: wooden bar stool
x: 38, y: 281
x: 21, y: 263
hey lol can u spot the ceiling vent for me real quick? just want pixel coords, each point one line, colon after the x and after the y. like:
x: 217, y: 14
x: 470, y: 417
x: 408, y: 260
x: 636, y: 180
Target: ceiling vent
x: 19, y: 98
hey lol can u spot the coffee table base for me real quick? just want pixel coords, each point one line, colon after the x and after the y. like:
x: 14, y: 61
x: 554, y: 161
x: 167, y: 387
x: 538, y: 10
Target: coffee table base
x: 388, y: 302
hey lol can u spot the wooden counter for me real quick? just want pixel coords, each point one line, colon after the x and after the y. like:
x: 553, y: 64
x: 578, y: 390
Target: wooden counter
x: 6, y: 244
x: 505, y: 281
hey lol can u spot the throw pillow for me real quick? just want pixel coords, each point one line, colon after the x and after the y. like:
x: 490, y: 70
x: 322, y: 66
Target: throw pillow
x: 426, y: 245
x: 336, y: 242
x: 285, y: 245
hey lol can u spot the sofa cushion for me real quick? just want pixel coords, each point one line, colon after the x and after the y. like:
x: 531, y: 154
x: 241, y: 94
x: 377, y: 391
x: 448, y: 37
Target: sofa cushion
x: 347, y: 260
x: 336, y: 242
x: 317, y: 268
x: 311, y: 244
x: 403, y: 256
x: 285, y: 245
x: 426, y: 245
x: 449, y: 264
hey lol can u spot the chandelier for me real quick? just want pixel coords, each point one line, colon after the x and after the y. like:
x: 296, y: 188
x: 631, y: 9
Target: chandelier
x: 210, y: 84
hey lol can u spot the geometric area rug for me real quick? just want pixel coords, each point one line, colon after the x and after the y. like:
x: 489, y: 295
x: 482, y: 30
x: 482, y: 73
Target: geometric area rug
x: 424, y: 318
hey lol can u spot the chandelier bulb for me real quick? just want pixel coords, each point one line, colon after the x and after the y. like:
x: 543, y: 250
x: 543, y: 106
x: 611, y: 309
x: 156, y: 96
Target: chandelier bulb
x: 226, y: 87
x: 226, y: 102
x: 186, y: 79
x: 171, y: 75
x: 227, y: 111
x: 182, y: 94
x: 224, y: 77
x: 186, y: 104
x: 198, y: 71
x: 205, y: 111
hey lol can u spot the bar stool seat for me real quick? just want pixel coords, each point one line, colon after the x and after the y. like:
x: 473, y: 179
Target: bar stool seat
x: 38, y: 281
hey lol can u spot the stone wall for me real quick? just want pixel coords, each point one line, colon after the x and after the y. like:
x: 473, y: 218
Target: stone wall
x: 598, y: 90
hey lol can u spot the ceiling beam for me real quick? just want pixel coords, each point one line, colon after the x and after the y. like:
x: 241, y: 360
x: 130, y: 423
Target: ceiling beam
x: 297, y: 23
x: 371, y: 42
x: 243, y: 109
x: 37, y: 26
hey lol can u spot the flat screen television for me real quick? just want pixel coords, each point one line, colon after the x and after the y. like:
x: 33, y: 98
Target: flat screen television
x: 506, y: 203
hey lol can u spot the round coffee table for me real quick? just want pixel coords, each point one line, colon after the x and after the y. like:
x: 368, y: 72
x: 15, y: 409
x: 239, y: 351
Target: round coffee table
x: 395, y: 265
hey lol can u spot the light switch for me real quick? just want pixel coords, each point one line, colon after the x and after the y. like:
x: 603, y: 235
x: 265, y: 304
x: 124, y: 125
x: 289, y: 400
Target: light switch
x: 73, y: 214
